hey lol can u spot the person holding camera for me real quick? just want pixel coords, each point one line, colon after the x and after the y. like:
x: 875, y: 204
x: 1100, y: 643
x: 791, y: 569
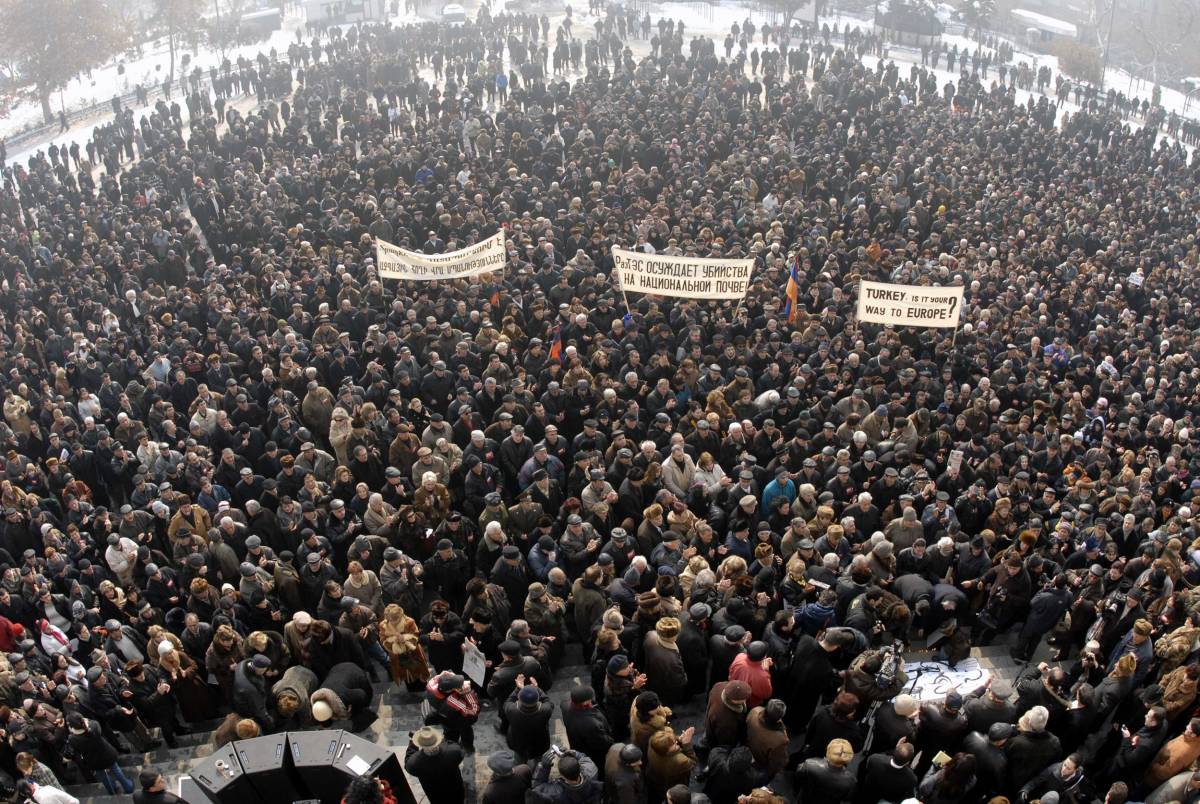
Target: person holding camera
x: 1009, y: 591
x: 576, y: 781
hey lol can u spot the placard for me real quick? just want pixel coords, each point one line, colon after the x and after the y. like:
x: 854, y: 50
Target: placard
x: 399, y: 263
x: 474, y: 663
x: 682, y: 277
x: 956, y: 456
x: 909, y: 305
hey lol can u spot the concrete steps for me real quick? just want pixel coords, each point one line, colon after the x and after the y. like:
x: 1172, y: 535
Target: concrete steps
x: 400, y: 713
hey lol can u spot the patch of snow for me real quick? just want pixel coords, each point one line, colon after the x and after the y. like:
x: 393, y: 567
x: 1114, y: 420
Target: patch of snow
x: 1044, y: 22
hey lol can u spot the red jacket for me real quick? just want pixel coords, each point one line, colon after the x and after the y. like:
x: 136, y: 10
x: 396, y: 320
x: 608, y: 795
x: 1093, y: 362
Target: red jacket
x: 10, y: 634
x: 753, y: 673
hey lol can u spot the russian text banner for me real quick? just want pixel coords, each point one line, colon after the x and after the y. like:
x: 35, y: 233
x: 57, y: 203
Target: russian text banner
x: 398, y: 263
x: 682, y: 277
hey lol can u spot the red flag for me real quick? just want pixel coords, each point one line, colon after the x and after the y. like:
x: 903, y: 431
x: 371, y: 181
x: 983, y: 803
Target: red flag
x: 556, y: 345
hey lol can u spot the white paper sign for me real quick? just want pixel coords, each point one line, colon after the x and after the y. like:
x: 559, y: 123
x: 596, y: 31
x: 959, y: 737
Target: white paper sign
x: 682, y: 277
x: 399, y: 263
x: 909, y: 305
x: 357, y: 765
x: 956, y: 456
x: 1136, y: 279
x: 474, y: 664
x: 933, y: 681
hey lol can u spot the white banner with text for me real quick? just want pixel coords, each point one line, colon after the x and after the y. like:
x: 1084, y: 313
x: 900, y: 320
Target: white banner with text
x: 480, y: 258
x: 909, y: 305
x: 682, y: 277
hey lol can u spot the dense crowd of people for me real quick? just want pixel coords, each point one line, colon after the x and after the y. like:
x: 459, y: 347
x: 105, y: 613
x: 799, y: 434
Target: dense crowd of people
x: 244, y: 478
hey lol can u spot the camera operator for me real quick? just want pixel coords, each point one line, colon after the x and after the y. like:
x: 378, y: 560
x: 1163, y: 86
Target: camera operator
x: 1009, y: 591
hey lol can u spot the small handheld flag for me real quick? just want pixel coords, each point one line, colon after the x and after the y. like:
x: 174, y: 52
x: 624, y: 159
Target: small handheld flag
x: 791, y: 291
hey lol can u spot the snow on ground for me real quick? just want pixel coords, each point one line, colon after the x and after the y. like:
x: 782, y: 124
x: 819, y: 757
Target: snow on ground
x: 704, y: 19
x: 105, y: 82
x: 151, y: 68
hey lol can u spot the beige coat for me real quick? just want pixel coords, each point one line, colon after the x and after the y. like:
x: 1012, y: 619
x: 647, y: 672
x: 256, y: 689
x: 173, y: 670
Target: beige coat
x: 1177, y: 755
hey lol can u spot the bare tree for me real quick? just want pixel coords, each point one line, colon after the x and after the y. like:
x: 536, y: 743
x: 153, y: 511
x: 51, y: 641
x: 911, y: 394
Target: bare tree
x: 53, y: 41
x: 181, y: 23
x: 1164, y: 35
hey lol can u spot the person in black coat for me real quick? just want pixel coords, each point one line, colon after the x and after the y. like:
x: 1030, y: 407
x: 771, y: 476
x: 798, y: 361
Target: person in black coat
x: 1062, y: 777
x: 693, y: 642
x: 435, y: 763
x: 96, y: 755
x: 154, y: 790
x: 446, y: 573
x: 827, y: 780
x: 528, y: 712
x: 353, y: 686
x: 887, y: 776
x: 152, y: 699
x: 442, y: 637
x: 329, y: 645
x: 1137, y: 750
x: 810, y: 678
x: 731, y: 773
x: 504, y: 675
x: 723, y: 648
x: 942, y: 727
x: 834, y: 721
x: 895, y: 720
x: 989, y: 705
x: 1032, y: 749
x: 991, y: 763
x: 1045, y: 610
x: 510, y: 573
x: 250, y: 691
x: 510, y: 781
x: 587, y: 727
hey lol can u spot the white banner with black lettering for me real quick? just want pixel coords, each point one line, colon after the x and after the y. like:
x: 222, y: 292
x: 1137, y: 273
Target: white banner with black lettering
x: 480, y: 258
x: 909, y: 305
x: 933, y: 681
x: 682, y: 277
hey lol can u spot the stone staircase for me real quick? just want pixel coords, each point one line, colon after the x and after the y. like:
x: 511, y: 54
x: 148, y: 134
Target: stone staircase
x: 170, y: 762
x: 401, y: 713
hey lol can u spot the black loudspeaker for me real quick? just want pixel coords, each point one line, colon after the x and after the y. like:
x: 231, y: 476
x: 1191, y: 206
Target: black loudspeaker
x: 328, y: 760
x: 267, y: 764
x: 190, y: 792
x: 222, y: 780
x: 381, y: 762
x: 313, y: 753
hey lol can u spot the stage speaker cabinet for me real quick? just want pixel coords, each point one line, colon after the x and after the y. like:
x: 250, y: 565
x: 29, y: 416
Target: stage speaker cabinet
x: 190, y: 792
x: 267, y: 764
x: 328, y: 760
x: 359, y: 757
x: 222, y: 780
x: 313, y: 753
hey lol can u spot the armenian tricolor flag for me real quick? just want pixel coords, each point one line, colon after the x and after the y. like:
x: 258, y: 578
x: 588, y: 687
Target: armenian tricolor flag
x: 791, y: 308
x: 556, y: 345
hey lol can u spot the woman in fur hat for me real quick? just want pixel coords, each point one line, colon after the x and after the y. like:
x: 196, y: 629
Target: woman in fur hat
x: 400, y: 637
